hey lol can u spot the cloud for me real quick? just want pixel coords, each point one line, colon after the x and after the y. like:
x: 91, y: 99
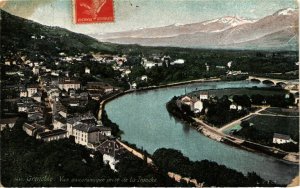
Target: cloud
x: 252, y: 10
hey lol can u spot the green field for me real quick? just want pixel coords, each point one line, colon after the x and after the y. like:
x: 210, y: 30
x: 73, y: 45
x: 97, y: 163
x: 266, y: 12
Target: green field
x: 276, y: 124
x: 281, y: 111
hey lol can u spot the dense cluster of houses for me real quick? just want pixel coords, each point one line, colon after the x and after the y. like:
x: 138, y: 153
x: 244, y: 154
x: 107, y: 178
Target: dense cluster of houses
x: 158, y: 61
x: 54, y: 92
x: 153, y: 60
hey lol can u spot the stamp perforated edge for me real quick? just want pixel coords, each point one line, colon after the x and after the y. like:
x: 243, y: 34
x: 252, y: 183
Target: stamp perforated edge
x: 96, y: 22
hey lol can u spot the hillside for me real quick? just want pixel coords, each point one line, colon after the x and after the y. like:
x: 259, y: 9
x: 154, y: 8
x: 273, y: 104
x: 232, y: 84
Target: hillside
x: 19, y: 33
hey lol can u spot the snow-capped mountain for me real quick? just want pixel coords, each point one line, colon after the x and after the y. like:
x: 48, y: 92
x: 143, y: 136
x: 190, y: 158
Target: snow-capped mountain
x: 230, y: 20
x: 176, y: 29
x: 279, y: 30
x: 285, y: 12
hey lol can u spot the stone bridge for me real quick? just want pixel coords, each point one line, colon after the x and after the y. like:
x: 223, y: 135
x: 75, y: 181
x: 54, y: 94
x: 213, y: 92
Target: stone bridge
x: 292, y: 85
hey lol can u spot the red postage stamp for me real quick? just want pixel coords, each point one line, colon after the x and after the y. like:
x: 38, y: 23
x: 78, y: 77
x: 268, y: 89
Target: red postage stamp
x: 93, y: 11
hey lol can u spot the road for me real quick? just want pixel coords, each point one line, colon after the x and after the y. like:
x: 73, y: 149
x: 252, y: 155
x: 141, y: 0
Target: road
x: 238, y: 120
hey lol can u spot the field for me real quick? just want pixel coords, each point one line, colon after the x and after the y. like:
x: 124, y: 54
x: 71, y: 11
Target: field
x: 276, y: 124
x: 281, y: 111
x: 269, y: 121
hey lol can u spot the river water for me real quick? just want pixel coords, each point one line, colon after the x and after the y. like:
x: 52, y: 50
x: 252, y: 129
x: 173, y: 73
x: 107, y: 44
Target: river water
x: 146, y: 122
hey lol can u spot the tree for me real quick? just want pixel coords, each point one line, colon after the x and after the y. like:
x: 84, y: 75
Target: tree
x: 243, y: 100
x: 245, y: 124
x: 257, y: 99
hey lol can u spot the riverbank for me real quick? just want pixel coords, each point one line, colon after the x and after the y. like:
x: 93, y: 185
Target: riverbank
x: 207, y: 130
x: 295, y: 182
x: 219, y: 136
x: 172, y: 175
x: 103, y: 102
x: 146, y: 122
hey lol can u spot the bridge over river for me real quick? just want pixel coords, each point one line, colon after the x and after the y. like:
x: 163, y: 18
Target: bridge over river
x: 291, y: 85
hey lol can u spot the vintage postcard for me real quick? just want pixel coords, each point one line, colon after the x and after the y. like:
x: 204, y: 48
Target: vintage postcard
x: 149, y: 93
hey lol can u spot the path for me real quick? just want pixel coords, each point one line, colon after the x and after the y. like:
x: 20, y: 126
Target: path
x: 102, y: 103
x: 238, y: 120
x: 214, y: 133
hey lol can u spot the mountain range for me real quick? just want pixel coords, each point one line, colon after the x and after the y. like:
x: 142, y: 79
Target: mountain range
x: 278, y: 31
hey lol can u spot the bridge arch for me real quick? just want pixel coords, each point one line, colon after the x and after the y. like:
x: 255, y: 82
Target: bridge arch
x: 269, y: 82
x: 255, y: 80
x: 282, y: 84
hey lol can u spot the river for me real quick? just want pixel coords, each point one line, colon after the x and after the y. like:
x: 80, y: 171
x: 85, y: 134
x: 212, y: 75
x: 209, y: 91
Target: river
x: 146, y: 122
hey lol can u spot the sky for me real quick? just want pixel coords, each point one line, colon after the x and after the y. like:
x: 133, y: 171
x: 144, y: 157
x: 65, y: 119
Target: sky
x: 136, y: 14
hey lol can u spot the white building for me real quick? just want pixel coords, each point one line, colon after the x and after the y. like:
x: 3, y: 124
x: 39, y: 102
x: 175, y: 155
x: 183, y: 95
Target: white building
x: 229, y: 64
x: 127, y: 72
x: 69, y: 84
x: 282, y: 139
x: 23, y: 93
x: 85, y: 134
x: 144, y: 78
x: 198, y: 106
x: 133, y: 85
x: 55, y: 73
x: 31, y: 89
x: 36, y: 70
x: 111, y: 151
x: 207, y: 68
x: 86, y: 129
x: 204, y: 96
x: 149, y: 64
x: 87, y: 70
x: 235, y: 107
x: 178, y: 62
